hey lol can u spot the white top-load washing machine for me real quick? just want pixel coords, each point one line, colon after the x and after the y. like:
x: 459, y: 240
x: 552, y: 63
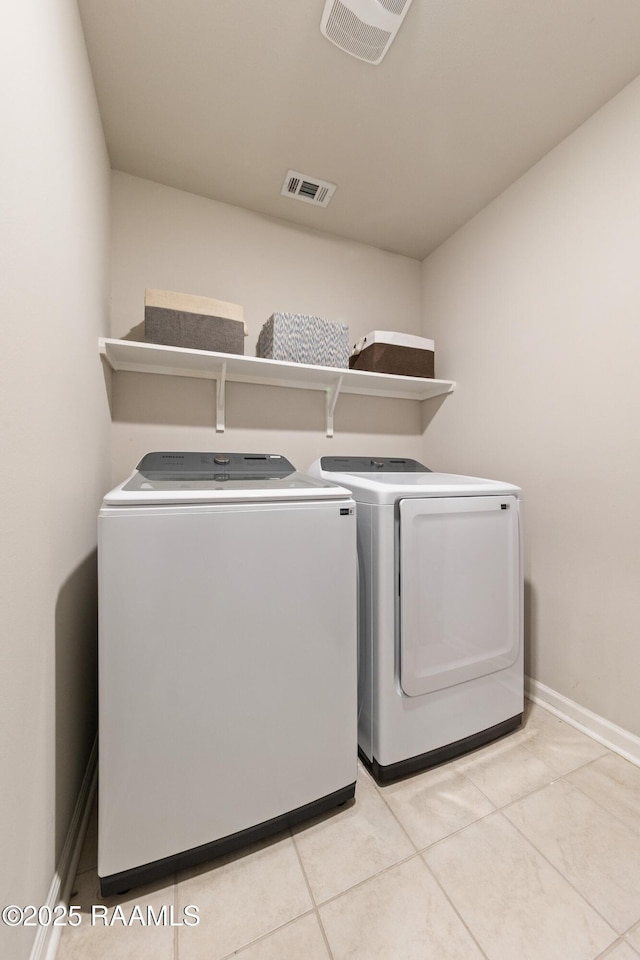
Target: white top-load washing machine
x: 440, y: 612
x: 227, y: 658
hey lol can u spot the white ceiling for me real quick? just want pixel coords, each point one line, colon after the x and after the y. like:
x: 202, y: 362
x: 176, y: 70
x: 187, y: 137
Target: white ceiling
x: 222, y: 97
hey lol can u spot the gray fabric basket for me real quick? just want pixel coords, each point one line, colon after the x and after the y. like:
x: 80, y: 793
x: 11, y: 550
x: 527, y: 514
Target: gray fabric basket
x: 178, y: 328
x: 297, y: 338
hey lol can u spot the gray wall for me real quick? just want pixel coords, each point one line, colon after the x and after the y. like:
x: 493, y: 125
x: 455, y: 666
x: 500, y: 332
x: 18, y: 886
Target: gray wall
x: 535, y: 308
x: 54, y: 428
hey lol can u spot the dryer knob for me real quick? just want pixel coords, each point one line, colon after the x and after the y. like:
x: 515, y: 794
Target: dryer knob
x: 377, y: 463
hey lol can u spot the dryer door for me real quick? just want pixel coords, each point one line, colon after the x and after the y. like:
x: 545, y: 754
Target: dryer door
x: 459, y: 590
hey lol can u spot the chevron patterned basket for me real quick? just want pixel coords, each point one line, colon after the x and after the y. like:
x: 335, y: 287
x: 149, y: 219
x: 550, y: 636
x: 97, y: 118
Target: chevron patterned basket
x: 297, y: 338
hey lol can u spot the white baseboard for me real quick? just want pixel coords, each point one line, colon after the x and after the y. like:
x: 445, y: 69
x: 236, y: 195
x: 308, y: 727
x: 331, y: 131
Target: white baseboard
x: 599, y: 728
x: 45, y: 945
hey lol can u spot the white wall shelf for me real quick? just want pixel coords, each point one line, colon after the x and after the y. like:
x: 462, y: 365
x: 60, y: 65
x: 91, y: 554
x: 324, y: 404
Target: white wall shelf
x: 134, y: 356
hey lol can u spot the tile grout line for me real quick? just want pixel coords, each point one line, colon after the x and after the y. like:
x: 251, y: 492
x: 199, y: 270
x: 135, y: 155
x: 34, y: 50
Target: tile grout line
x: 265, y: 936
x: 609, y: 951
x: 316, y: 909
x: 418, y: 855
x: 420, y: 850
x: 374, y: 876
x: 631, y: 928
x: 556, y: 777
x: 499, y: 809
x: 453, y: 907
x: 281, y: 926
x: 359, y: 883
x: 392, y: 812
x: 630, y: 945
x: 421, y: 853
x: 566, y: 879
x: 500, y: 806
x: 598, y: 804
x: 427, y: 846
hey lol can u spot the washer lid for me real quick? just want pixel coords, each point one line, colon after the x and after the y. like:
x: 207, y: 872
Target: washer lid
x: 388, y: 479
x: 187, y: 477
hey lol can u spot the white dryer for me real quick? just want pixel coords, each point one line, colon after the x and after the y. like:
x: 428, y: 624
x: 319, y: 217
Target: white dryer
x: 440, y: 612
x: 227, y: 658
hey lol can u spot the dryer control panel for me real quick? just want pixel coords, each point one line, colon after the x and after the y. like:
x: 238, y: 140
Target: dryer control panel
x: 372, y: 465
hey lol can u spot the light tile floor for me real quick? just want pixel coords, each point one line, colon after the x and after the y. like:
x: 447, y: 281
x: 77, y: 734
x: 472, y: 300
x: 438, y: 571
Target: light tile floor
x: 528, y: 849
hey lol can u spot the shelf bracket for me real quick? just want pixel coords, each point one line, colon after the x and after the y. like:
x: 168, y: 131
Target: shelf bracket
x: 220, y: 385
x: 331, y: 396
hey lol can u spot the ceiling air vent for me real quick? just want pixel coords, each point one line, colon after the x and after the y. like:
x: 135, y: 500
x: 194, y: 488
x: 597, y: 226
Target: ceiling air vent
x: 310, y: 189
x: 363, y: 28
